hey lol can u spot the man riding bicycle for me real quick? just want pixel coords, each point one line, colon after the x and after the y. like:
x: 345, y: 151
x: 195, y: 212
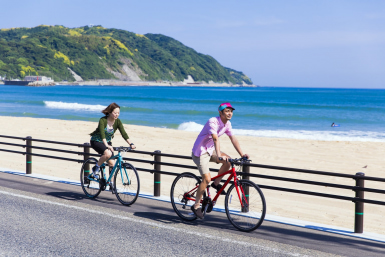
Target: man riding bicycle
x: 207, y: 149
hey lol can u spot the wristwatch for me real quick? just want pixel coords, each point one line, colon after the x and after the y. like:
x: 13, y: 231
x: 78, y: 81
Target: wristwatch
x: 132, y: 144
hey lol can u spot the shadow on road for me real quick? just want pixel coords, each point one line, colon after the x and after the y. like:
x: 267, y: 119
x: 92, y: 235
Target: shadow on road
x: 163, y: 212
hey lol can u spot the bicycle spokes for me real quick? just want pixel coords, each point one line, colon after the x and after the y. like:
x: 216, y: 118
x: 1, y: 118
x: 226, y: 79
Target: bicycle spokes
x: 89, y: 184
x: 126, y: 184
x: 245, y: 211
x: 182, y: 195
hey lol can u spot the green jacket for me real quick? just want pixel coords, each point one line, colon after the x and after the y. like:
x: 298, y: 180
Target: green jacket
x: 100, y: 131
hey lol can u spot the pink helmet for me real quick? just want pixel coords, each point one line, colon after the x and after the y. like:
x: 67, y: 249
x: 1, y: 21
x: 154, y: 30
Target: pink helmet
x: 224, y: 106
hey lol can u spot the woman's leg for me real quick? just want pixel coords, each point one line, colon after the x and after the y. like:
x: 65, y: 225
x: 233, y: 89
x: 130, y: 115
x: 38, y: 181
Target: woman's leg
x: 106, y: 155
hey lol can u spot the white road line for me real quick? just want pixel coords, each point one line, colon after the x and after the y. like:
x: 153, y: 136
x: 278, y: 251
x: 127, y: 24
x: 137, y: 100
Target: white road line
x: 153, y: 224
x: 268, y: 217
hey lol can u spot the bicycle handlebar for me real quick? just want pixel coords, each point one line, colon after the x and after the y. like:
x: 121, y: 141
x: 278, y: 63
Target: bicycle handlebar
x: 122, y: 149
x: 239, y: 161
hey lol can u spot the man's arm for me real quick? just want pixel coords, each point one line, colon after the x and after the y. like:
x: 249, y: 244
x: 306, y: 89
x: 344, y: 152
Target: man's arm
x: 237, y: 147
x: 218, y: 147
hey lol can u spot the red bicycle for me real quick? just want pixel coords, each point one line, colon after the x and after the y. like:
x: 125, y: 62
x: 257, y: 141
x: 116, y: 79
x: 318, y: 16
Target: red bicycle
x: 245, y: 204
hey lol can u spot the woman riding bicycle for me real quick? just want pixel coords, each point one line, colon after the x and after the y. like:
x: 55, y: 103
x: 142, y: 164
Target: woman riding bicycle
x: 101, y: 137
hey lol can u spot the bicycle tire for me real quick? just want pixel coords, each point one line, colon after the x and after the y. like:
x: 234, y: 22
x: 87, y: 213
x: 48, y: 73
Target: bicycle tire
x: 91, y: 188
x: 181, y: 185
x: 247, y: 218
x: 126, y: 184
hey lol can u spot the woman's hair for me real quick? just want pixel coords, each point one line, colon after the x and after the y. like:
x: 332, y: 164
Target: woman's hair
x: 110, y: 108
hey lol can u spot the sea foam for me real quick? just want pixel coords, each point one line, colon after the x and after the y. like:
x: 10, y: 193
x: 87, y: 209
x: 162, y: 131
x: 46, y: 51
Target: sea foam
x: 190, y: 126
x: 352, y: 135
x: 74, y: 106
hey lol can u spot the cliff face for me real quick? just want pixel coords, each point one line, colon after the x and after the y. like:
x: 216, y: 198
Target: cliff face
x: 100, y: 53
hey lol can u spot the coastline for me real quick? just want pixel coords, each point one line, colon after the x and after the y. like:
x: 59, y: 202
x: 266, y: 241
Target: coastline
x: 130, y: 84
x: 103, y: 82
x: 332, y: 156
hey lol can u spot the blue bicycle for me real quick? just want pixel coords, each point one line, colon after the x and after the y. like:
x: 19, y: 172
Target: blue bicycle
x: 123, y: 179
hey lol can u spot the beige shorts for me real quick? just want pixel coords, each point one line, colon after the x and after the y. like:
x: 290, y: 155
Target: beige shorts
x: 202, y: 162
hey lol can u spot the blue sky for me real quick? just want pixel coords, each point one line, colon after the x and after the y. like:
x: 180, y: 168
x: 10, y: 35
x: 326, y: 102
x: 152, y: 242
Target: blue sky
x: 296, y: 43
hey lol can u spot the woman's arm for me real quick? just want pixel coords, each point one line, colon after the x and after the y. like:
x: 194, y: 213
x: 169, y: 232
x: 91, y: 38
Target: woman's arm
x: 101, y: 127
x: 122, y: 130
x: 124, y: 134
x: 131, y: 144
x: 108, y: 146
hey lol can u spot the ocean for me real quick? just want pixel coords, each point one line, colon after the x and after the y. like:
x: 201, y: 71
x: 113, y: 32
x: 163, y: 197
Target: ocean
x: 299, y: 113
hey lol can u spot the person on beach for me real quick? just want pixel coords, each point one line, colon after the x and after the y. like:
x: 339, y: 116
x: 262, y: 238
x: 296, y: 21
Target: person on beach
x: 101, y: 137
x: 207, y: 149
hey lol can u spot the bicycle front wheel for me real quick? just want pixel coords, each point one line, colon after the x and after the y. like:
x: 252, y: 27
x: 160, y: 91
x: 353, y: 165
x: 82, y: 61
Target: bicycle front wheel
x: 183, y: 195
x: 127, y: 184
x: 89, y: 184
x: 246, y: 210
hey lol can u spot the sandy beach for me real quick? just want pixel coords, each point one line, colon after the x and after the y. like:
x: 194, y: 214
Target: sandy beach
x: 332, y: 156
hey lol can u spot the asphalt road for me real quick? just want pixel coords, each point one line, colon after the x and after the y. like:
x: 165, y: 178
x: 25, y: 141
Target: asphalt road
x: 39, y: 217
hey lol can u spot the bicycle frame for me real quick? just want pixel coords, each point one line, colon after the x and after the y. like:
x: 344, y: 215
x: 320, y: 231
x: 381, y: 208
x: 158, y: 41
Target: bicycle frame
x: 233, y: 174
x: 118, y: 163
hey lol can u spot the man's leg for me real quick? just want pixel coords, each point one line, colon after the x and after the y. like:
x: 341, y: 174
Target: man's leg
x: 206, y: 178
x: 202, y: 163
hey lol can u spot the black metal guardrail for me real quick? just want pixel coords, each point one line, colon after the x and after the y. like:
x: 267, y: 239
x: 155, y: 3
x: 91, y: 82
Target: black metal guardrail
x: 359, y: 177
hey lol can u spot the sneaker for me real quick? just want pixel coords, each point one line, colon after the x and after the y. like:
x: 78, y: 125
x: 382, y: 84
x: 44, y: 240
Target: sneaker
x: 95, y: 171
x: 218, y: 187
x: 197, y: 212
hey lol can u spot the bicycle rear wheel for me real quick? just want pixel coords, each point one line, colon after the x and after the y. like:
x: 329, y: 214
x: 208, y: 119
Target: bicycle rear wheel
x: 180, y: 192
x: 90, y: 185
x: 126, y: 184
x: 251, y: 215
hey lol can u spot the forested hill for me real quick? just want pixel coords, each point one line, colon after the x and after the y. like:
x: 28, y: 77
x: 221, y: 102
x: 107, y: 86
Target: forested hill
x: 100, y: 53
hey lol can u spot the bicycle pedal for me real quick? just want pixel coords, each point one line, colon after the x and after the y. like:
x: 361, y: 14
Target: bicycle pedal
x: 102, y: 184
x: 209, y: 208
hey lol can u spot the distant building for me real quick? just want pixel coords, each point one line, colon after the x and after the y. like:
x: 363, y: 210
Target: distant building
x: 38, y: 78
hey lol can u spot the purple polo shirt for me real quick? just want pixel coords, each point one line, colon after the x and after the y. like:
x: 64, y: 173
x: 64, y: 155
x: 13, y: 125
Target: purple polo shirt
x: 204, y: 142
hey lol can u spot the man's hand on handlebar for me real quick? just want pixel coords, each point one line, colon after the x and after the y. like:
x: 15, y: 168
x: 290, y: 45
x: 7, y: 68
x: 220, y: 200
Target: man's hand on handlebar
x: 246, y: 156
x: 222, y: 158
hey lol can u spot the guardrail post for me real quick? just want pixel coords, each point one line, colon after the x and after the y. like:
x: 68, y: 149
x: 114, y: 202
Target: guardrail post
x: 28, y: 150
x: 246, y: 169
x: 157, y: 158
x: 359, y: 206
x: 86, y: 148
